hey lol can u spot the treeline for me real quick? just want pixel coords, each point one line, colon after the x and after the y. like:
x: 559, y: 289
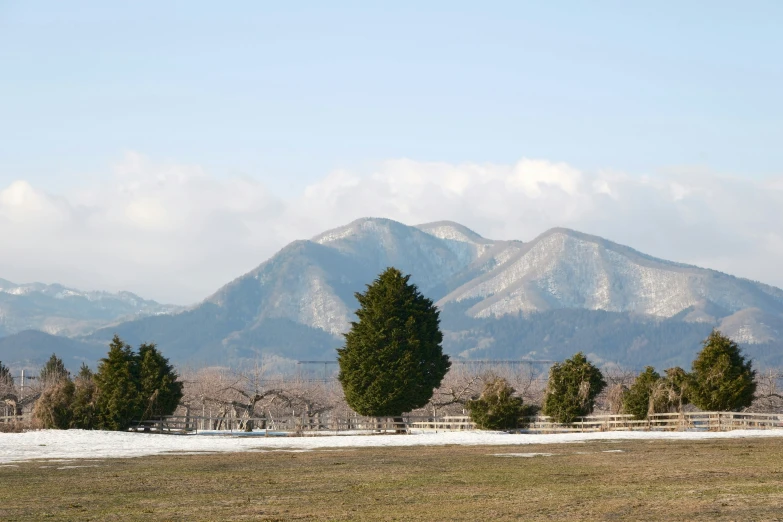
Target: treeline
x: 721, y: 379
x: 128, y: 386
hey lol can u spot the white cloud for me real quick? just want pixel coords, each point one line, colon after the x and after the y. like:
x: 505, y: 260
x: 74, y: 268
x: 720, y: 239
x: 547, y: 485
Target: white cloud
x: 175, y: 233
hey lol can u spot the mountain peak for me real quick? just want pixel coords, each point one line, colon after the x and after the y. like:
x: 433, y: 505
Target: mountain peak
x: 357, y: 227
x: 452, y: 231
x: 496, y: 298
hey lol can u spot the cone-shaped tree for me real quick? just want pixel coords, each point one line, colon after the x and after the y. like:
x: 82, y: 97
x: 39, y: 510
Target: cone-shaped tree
x: 572, y: 388
x: 53, y: 371
x: 119, y: 401
x: 392, y: 359
x: 160, y: 388
x: 722, y: 379
x: 636, y: 401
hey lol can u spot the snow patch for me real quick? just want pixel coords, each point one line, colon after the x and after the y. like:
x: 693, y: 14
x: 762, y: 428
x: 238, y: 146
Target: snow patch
x: 79, y: 444
x: 524, y: 455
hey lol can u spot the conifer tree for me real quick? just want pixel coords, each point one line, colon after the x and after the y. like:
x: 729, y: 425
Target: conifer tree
x: 53, y: 371
x: 83, y: 413
x: 392, y: 359
x: 160, y: 390
x: 119, y: 400
x: 572, y: 388
x: 723, y: 380
x: 637, y: 400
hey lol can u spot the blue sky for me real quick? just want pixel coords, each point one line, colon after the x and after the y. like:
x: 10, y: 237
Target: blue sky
x: 293, y: 89
x: 284, y: 94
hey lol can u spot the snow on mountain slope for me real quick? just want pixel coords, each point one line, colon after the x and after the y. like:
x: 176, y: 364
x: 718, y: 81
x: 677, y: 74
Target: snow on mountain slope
x: 752, y: 326
x: 56, y: 309
x: 313, y: 282
x: 297, y: 303
x: 567, y: 269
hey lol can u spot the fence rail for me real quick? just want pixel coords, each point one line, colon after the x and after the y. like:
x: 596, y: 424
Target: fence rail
x: 16, y: 418
x: 704, y: 421
x: 287, y: 424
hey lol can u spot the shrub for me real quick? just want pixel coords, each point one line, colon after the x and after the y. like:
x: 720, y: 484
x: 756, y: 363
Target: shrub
x: 641, y: 397
x: 572, y: 388
x: 53, y: 408
x: 497, y: 408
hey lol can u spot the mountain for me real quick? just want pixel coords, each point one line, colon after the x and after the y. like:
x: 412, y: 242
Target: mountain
x: 562, y: 292
x: 56, y: 309
x: 30, y: 348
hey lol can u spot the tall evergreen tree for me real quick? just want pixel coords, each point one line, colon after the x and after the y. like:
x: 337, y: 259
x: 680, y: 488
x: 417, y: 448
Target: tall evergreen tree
x: 53, y: 371
x: 572, y: 388
x: 160, y: 390
x: 637, y: 400
x: 392, y: 360
x: 723, y: 380
x: 119, y: 399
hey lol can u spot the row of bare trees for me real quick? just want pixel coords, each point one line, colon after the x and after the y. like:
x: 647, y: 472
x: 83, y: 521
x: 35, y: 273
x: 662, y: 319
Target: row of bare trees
x: 217, y: 395
x: 221, y: 394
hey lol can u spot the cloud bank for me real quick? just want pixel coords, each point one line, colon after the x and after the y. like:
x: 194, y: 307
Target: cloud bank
x: 175, y: 233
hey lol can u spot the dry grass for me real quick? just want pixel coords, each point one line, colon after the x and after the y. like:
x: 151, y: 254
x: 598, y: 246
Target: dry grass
x: 15, y: 426
x: 637, y: 480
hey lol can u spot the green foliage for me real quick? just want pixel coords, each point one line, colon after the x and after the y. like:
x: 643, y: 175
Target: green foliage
x: 85, y: 372
x: 723, y: 380
x: 674, y: 389
x: 637, y: 400
x: 117, y: 379
x: 572, y: 388
x: 392, y: 359
x: 158, y: 383
x: 83, y: 406
x: 132, y: 386
x: 53, y: 408
x: 497, y: 408
x: 53, y: 371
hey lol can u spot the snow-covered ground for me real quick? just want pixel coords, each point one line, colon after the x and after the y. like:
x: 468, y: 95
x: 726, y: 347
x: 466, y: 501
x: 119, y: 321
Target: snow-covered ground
x: 56, y: 445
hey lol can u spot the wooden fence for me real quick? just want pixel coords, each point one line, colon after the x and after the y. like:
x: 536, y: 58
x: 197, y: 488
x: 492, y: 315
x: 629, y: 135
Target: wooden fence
x: 25, y: 417
x: 703, y: 421
x: 706, y: 421
x: 275, y: 425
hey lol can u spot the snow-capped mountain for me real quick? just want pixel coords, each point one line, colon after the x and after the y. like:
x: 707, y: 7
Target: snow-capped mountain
x: 58, y: 310
x: 562, y: 292
x: 312, y: 282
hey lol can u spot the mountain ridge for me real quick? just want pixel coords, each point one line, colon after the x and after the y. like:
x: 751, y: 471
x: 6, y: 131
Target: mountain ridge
x: 58, y: 309
x: 297, y: 303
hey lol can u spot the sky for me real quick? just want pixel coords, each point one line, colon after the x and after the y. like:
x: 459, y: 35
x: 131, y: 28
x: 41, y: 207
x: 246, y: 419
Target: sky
x: 168, y: 147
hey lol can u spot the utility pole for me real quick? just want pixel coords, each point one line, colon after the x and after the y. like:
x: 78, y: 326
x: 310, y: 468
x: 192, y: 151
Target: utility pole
x: 21, y: 388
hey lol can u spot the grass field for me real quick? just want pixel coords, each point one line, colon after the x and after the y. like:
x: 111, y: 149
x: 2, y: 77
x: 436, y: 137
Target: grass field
x: 634, y: 480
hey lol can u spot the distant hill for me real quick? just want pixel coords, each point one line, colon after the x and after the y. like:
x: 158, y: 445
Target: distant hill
x: 30, y: 348
x: 65, y: 311
x: 562, y: 292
